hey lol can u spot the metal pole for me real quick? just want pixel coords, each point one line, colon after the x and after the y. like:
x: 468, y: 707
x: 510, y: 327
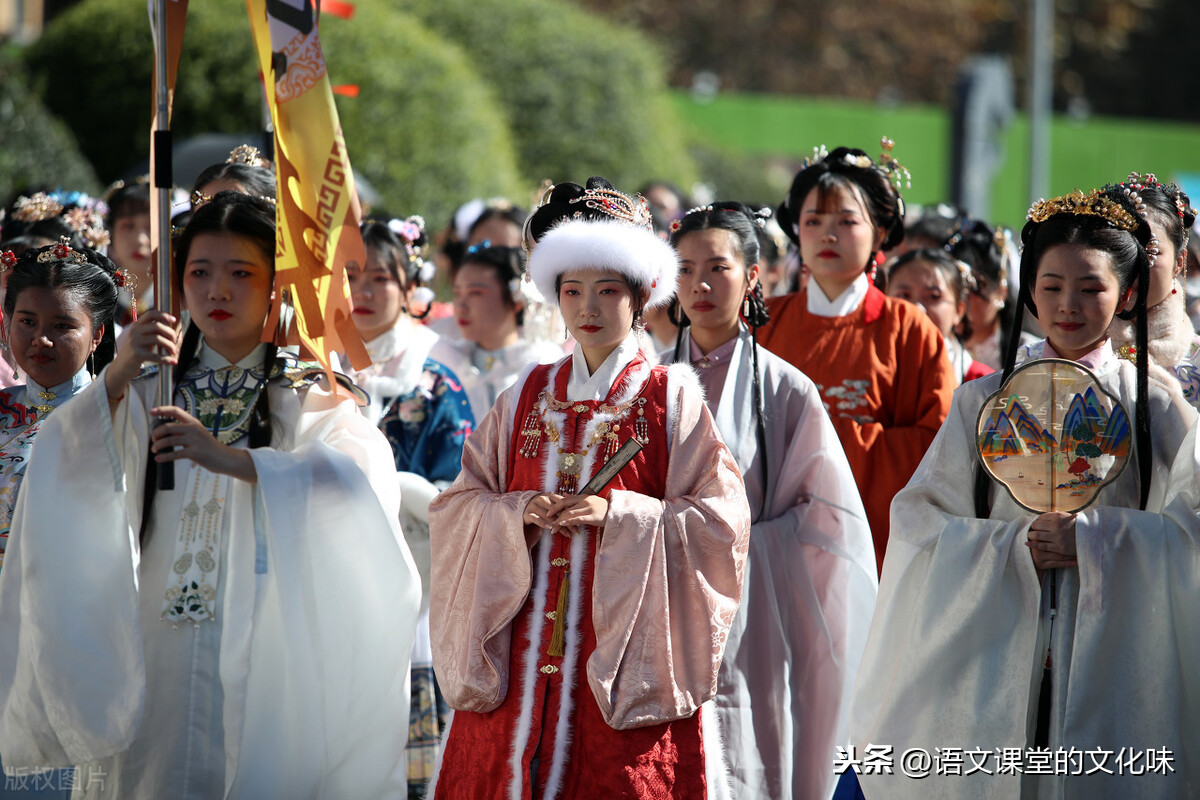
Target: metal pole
x: 1041, y: 75
x: 162, y: 179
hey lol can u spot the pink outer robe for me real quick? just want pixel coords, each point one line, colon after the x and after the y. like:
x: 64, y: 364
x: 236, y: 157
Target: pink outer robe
x: 665, y: 588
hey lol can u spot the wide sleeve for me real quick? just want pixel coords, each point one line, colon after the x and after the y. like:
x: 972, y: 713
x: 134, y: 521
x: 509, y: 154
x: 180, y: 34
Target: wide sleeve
x: 72, y: 675
x: 952, y: 649
x: 885, y: 454
x: 809, y: 595
x: 668, y: 578
x: 1135, y: 650
x: 321, y: 608
x: 481, y: 568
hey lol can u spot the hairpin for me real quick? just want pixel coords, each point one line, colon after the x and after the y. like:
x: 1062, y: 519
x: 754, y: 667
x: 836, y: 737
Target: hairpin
x: 1092, y: 204
x: 37, y: 208
x: 62, y: 252
x: 618, y: 205
x: 8, y: 260
x: 88, y: 224
x: 245, y: 154
x: 896, y: 171
x: 475, y: 248
x: 199, y: 198
x: 410, y: 230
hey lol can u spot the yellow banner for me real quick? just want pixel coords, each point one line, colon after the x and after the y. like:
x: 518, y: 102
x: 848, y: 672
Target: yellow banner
x: 317, y: 215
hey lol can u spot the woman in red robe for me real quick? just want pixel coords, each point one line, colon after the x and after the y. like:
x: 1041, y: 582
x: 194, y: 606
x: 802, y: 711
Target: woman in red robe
x: 578, y: 635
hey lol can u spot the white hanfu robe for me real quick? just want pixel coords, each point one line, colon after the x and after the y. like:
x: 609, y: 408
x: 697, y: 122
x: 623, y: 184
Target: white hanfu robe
x: 955, y: 654
x: 783, y: 692
x: 297, y: 685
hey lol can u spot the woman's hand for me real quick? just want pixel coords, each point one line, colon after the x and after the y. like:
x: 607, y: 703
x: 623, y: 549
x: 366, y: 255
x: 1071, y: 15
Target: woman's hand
x: 573, y: 511
x: 1051, y: 541
x: 537, y: 511
x: 194, y: 442
x: 153, y: 338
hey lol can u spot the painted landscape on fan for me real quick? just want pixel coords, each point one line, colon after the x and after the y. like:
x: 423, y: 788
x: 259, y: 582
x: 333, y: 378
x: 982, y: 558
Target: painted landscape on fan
x: 1053, y: 437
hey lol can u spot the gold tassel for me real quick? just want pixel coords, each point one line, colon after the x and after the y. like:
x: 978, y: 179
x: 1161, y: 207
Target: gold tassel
x: 557, y: 639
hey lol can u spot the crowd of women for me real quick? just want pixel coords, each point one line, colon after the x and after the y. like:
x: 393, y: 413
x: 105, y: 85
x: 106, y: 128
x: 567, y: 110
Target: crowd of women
x: 667, y: 502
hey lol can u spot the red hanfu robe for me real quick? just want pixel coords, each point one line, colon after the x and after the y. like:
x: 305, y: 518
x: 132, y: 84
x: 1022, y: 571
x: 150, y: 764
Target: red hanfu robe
x: 648, y: 600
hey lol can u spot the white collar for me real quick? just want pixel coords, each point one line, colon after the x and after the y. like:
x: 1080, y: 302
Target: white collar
x: 391, y: 342
x: 840, y: 306
x: 582, y: 386
x: 211, y: 359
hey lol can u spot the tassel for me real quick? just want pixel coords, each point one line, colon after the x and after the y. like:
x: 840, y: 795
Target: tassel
x: 558, y: 638
x: 532, y: 432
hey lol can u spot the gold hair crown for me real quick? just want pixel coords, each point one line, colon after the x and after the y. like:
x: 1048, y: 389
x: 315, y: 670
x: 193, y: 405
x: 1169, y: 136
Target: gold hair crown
x: 245, y: 154
x: 1094, y: 203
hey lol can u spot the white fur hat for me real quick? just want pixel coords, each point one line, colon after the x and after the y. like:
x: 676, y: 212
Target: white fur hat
x: 605, y: 244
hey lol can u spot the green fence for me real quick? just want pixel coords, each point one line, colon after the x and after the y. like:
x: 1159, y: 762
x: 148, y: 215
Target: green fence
x: 1084, y: 153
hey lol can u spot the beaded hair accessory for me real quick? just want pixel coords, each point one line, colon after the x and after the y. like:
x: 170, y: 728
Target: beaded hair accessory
x: 8, y: 260
x: 85, y: 221
x: 1140, y: 181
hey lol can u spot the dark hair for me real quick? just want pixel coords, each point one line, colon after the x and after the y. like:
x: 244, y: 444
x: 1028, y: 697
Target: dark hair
x: 932, y: 227
x: 507, y: 262
x: 662, y: 222
x: 18, y: 232
x: 393, y: 251
x: 958, y: 278
x: 251, y: 218
x: 256, y: 181
x: 845, y: 168
x: 514, y: 214
x: 94, y: 283
x: 1127, y: 252
x: 743, y: 223
x: 127, y: 201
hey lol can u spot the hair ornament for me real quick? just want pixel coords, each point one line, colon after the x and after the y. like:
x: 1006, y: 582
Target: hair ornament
x: 618, y: 205
x: 896, y: 171
x: 1094, y: 203
x: 8, y: 260
x: 62, y: 252
x: 37, y: 208
x: 410, y: 230
x: 475, y: 248
x: 199, y: 198
x: 85, y: 221
x: 246, y: 154
x: 761, y: 217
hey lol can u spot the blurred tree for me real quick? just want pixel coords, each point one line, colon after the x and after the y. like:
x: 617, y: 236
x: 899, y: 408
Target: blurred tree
x: 582, y: 96
x: 38, y: 148
x: 1122, y: 57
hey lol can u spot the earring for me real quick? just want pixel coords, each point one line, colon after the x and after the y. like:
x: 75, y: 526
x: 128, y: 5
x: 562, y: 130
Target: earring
x: 639, y: 323
x: 92, y: 364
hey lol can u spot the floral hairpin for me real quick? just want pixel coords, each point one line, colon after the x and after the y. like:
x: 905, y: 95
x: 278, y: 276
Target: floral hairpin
x: 896, y: 171
x: 62, y: 252
x: 88, y: 224
x: 475, y: 248
x: 37, y: 208
x: 8, y: 260
x: 410, y: 230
